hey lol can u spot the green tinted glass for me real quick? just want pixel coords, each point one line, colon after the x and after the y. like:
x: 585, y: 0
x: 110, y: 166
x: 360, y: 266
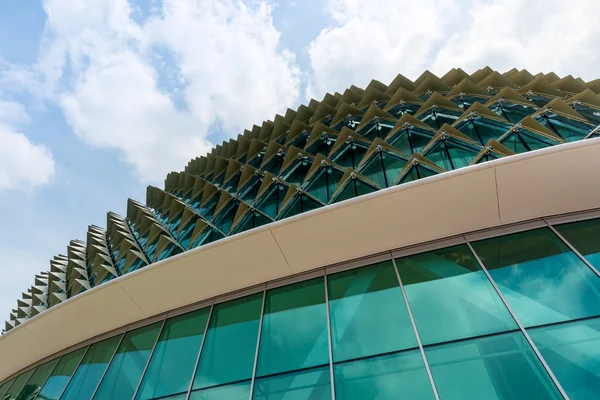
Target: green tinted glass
x: 90, y: 371
x: 400, y: 375
x: 312, y: 384
x: 584, y: 236
x: 572, y: 351
x: 61, y: 375
x: 172, y: 364
x: 34, y: 384
x: 294, y: 331
x: 18, y: 385
x: 5, y: 386
x: 368, y: 313
x: 447, y: 288
x: 125, y: 370
x: 236, y: 391
x: 496, y: 367
x: 542, y: 280
x: 230, y: 344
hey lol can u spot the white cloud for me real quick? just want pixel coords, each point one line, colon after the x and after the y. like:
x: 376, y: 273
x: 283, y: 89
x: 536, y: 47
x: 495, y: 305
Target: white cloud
x: 226, y: 58
x: 23, y: 164
x: 380, y: 38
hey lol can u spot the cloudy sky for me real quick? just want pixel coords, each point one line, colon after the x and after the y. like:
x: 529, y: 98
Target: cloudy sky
x: 99, y: 98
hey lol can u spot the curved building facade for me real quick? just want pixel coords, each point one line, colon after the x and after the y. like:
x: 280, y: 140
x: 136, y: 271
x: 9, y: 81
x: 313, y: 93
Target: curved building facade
x: 435, y: 239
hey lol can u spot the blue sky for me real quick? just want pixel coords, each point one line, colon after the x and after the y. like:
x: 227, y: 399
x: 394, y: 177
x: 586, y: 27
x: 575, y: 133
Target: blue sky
x: 100, y: 98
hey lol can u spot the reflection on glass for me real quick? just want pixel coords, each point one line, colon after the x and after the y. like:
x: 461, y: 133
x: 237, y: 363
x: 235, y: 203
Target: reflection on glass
x: 18, y: 385
x: 90, y: 371
x: 125, y: 370
x: 61, y: 374
x: 584, y: 236
x: 172, y: 364
x: 496, y: 367
x: 230, y: 344
x: 447, y: 288
x: 368, y: 313
x: 34, y: 384
x: 294, y: 331
x: 5, y: 386
x: 542, y: 280
x: 235, y: 391
x: 572, y: 351
x: 312, y: 384
x: 399, y: 375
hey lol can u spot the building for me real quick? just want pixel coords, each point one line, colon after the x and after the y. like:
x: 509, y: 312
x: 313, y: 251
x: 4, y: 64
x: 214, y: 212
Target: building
x: 428, y: 239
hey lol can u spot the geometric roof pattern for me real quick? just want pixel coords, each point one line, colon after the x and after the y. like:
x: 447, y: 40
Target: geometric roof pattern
x: 343, y: 146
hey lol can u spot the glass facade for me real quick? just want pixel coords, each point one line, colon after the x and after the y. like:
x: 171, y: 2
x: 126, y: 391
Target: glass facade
x: 512, y: 317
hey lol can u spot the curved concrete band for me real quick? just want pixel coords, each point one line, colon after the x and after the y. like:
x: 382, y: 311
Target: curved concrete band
x: 541, y: 183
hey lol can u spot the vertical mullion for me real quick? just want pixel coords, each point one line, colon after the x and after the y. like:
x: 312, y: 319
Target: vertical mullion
x: 149, y: 358
x: 108, y: 365
x: 189, y: 392
x: 71, y: 377
x: 331, y: 375
x: 521, y: 327
x: 260, y: 324
x: 414, y: 326
x: 573, y: 249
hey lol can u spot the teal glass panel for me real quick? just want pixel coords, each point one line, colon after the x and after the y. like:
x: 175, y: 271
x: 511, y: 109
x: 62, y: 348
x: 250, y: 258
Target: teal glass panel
x: 18, y: 385
x: 495, y: 367
x: 90, y: 371
x: 312, y: 384
x: 235, y: 391
x: 411, y: 140
x: 568, y: 129
x: 447, y: 288
x: 583, y: 236
x: 125, y: 370
x: 416, y: 172
x: 368, y: 313
x: 230, y: 344
x: 271, y: 199
x: 5, y: 386
x: 251, y: 219
x: 542, y: 280
x: 483, y: 130
x: 393, y: 376
x: 297, y: 172
x: 350, y: 154
x: 353, y: 188
x: 323, y: 183
x: 34, y: 384
x: 301, y: 203
x: 174, y: 358
x: 514, y: 113
x: 375, y: 170
x: 572, y: 351
x: 294, y: 330
x: 61, y: 375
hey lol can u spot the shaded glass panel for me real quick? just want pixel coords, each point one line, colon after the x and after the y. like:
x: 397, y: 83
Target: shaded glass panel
x: 34, y: 384
x: 447, y: 288
x: 513, y: 112
x: 584, y: 237
x: 230, y: 344
x: 368, y: 313
x: 394, y: 376
x: 568, y: 129
x: 542, y: 280
x: 573, y: 353
x: 496, y: 367
x: 353, y: 188
x: 350, y: 154
x: 61, y: 374
x: 294, y: 331
x: 416, y: 172
x: 125, y: 370
x: 482, y: 130
x: 312, y: 384
x: 5, y: 386
x: 323, y: 183
x: 172, y: 364
x: 301, y: 203
x: 235, y: 391
x: 18, y: 385
x: 411, y: 140
x: 90, y: 371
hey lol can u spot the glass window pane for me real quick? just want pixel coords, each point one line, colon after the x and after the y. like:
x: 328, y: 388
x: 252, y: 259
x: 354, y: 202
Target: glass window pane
x: 294, y: 331
x: 61, y: 374
x: 172, y: 364
x: 572, y: 351
x: 496, y: 367
x: 368, y: 313
x: 236, y: 391
x: 5, y: 386
x: 542, y: 280
x: 87, y: 376
x: 312, y: 384
x: 400, y: 375
x: 230, y: 345
x: 584, y: 236
x: 18, y: 385
x: 34, y: 384
x: 447, y: 288
x: 126, y: 368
